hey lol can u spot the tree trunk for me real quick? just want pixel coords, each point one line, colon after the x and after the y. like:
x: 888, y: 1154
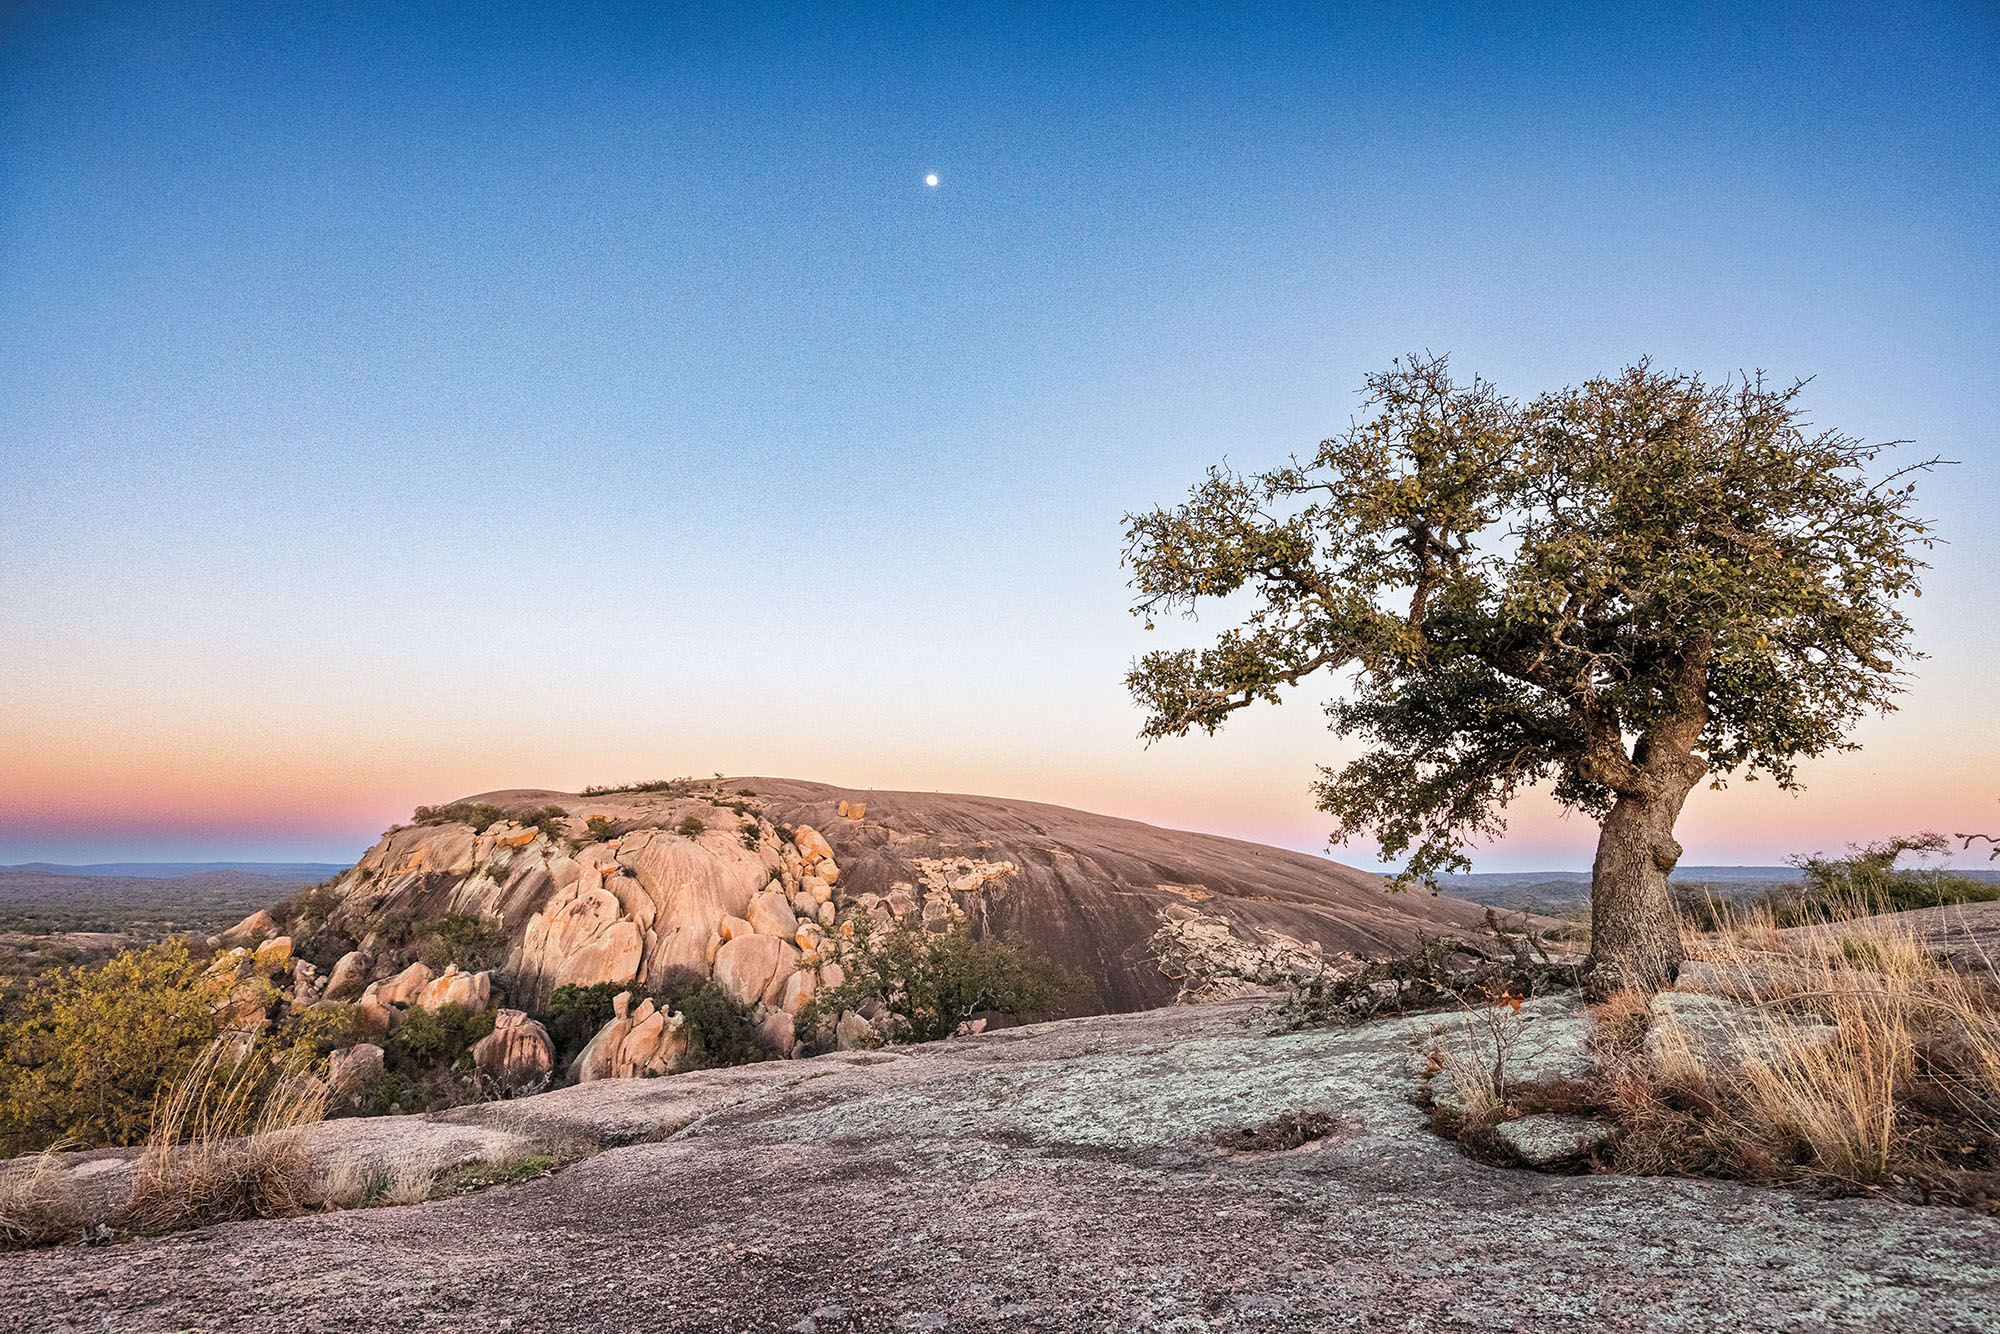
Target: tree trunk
x: 1635, y: 938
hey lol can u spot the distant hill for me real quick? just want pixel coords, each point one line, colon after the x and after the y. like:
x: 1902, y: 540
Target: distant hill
x: 297, y: 873
x: 1566, y: 891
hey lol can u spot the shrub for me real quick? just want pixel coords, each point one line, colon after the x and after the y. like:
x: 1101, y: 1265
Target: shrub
x: 547, y: 819
x: 935, y: 981
x: 478, y: 814
x: 308, y: 907
x: 577, y: 1013
x: 718, y: 1030
x: 1867, y: 881
x: 601, y: 828
x: 671, y: 786
x: 466, y: 939
x: 691, y: 827
x: 433, y: 1039
x: 84, y: 1051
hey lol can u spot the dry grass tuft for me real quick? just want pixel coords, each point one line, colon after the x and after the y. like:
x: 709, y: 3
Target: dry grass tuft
x: 408, y: 1179
x: 39, y: 1204
x: 227, y: 1142
x: 1854, y: 1058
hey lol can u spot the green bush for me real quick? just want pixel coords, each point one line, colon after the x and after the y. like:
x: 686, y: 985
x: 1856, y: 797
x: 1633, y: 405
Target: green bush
x: 84, y: 1050
x: 690, y: 827
x: 435, y: 1039
x: 548, y: 819
x: 466, y: 939
x: 600, y: 828
x: 577, y: 1013
x: 1868, y: 881
x: 935, y: 981
x: 478, y: 814
x: 718, y: 1030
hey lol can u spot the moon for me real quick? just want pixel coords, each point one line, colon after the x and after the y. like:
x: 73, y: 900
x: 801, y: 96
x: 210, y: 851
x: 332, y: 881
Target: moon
x: 931, y: 180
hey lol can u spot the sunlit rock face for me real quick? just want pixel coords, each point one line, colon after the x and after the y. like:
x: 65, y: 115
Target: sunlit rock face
x: 759, y: 882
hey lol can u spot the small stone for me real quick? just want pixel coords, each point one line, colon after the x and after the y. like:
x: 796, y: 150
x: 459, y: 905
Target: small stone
x: 1546, y: 1139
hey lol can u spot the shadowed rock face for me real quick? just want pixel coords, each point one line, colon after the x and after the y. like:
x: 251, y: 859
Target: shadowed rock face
x: 1092, y: 892
x: 1103, y: 897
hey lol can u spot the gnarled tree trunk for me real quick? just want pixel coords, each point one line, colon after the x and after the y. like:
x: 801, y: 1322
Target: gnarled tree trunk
x: 1635, y: 938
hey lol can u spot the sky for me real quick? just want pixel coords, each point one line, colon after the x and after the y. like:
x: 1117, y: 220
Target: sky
x: 404, y: 401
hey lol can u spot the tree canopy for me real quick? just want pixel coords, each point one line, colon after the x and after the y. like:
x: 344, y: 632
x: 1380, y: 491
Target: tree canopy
x: 1616, y: 589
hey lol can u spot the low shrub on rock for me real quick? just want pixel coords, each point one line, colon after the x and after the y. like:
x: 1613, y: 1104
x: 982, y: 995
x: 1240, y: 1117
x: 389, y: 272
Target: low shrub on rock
x: 934, y: 982
x: 719, y: 1032
x: 575, y: 1015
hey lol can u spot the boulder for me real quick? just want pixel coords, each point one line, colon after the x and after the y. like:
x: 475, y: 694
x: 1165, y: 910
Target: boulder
x: 349, y: 975
x: 405, y: 988
x: 817, y: 889
x: 732, y: 926
x: 1727, y: 1033
x: 350, y: 1068
x: 811, y: 844
x: 831, y: 975
x: 770, y: 915
x: 599, y: 1058
x: 798, y: 989
x: 828, y: 872
x: 250, y: 930
x: 652, y: 1046
x: 517, y: 1055
x: 275, y: 955
x: 748, y: 966
x: 852, y: 810
x: 376, y: 1017
x: 853, y: 1031
x: 778, y: 1032
x: 472, y: 990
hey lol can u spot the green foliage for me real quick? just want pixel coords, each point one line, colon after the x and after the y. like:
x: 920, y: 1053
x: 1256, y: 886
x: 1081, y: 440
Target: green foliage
x: 718, y: 1030
x: 576, y: 1014
x: 1520, y: 588
x: 307, y: 908
x: 600, y: 828
x: 691, y: 827
x: 548, y: 819
x: 436, y: 1039
x: 1867, y: 880
x: 481, y: 815
x: 84, y: 1050
x: 752, y: 835
x: 671, y: 786
x: 478, y: 814
x: 466, y: 939
x: 935, y: 981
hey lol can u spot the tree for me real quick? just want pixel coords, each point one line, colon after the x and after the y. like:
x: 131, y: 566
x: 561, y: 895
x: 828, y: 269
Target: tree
x: 84, y: 1051
x: 1619, y: 590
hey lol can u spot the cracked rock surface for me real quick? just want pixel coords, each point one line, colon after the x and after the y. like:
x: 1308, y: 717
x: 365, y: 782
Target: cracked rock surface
x: 1062, y: 1176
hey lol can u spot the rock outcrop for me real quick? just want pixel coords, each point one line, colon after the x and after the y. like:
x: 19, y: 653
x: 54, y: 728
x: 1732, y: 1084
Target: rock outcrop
x: 760, y: 884
x: 517, y: 1056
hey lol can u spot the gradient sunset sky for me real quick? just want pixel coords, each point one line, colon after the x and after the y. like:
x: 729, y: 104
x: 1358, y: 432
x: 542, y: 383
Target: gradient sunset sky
x: 403, y: 401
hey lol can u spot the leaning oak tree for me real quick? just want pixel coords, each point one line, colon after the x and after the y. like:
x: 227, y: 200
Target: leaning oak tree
x: 1618, y: 590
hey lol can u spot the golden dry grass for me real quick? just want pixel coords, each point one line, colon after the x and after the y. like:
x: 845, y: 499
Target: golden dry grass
x: 1840, y: 1031
x: 227, y: 1142
x: 38, y: 1204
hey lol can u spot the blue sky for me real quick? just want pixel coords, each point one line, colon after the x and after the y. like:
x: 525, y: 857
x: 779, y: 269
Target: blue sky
x: 403, y: 401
